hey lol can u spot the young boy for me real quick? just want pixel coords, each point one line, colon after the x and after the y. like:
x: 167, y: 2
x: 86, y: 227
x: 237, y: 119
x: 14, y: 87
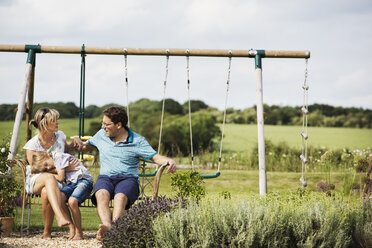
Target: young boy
x: 76, y: 185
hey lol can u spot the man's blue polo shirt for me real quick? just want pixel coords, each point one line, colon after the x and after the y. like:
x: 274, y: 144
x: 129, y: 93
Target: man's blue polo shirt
x: 121, y: 158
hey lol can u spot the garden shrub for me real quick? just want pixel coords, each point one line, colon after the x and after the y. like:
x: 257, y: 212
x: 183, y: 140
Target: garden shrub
x: 302, y: 219
x: 133, y: 229
x: 188, y: 184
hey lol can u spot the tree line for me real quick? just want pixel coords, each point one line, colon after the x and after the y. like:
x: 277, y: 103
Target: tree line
x: 319, y: 114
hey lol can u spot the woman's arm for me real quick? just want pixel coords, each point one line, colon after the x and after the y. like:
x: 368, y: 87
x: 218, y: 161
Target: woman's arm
x: 60, y: 176
x: 29, y: 154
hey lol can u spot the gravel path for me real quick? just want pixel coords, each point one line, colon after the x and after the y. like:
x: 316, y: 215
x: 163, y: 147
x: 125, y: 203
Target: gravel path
x: 59, y: 240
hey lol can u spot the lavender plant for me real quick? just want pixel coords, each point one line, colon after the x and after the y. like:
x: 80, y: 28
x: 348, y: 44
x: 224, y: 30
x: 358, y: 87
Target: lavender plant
x: 302, y: 219
x: 134, y: 228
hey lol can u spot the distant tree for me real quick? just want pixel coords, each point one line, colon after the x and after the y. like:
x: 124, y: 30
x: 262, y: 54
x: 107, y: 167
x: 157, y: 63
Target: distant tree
x: 92, y: 111
x: 66, y: 110
x: 195, y: 105
x: 94, y: 127
x: 7, y: 112
x: 171, y: 106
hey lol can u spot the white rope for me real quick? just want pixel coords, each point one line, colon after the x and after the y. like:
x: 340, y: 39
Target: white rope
x: 224, y: 112
x: 304, y: 136
x: 188, y: 92
x: 126, y: 82
x: 162, y: 110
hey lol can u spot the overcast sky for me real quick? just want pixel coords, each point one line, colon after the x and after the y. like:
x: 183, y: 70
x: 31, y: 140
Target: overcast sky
x: 337, y: 32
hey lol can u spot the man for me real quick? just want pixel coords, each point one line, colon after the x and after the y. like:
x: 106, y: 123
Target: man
x: 119, y: 149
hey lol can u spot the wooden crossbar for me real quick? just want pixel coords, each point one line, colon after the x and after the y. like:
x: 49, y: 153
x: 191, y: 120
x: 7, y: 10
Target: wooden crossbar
x: 158, y: 51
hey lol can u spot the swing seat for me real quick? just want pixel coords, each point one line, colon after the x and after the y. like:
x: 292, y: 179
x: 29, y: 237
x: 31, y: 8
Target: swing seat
x: 304, y: 183
x: 209, y: 176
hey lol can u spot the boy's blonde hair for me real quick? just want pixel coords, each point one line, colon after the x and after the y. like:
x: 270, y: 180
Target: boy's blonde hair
x: 43, y: 117
x: 38, y: 159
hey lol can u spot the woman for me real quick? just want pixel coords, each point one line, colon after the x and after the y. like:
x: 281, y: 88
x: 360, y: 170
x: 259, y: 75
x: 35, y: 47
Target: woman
x: 49, y: 139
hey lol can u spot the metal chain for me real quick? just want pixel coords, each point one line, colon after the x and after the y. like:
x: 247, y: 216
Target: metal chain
x: 126, y: 82
x: 224, y: 112
x: 162, y: 110
x: 188, y: 91
x: 304, y: 136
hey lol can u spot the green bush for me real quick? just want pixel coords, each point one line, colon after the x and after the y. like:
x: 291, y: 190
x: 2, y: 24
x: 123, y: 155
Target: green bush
x: 188, y: 184
x: 10, y: 189
x: 296, y: 220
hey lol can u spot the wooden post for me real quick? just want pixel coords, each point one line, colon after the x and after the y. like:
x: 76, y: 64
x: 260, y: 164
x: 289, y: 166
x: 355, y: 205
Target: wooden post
x: 260, y: 122
x: 30, y: 104
x: 21, y: 103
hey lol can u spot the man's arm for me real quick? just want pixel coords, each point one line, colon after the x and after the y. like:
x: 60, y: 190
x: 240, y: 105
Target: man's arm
x: 160, y: 160
x: 73, y: 145
x: 86, y: 147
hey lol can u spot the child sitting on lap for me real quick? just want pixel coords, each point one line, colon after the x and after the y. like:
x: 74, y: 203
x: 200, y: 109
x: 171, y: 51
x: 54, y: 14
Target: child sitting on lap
x: 77, y: 184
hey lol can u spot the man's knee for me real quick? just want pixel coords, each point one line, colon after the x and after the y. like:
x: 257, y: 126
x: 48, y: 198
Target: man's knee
x: 102, y: 195
x: 121, y: 197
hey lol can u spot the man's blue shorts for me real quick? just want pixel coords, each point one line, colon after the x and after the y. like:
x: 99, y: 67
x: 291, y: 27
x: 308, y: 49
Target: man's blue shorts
x: 79, y: 190
x: 129, y: 186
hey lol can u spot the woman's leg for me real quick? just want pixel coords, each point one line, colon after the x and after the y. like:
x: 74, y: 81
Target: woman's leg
x: 48, y: 215
x: 48, y: 181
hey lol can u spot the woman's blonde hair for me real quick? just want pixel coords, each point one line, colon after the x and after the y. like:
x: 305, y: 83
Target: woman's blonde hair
x: 38, y: 159
x: 43, y: 117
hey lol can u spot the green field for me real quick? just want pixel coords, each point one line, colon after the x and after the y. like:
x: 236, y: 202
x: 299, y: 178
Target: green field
x: 244, y: 137
x: 240, y: 137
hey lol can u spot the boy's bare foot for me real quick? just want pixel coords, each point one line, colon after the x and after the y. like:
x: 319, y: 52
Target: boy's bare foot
x: 46, y: 236
x: 101, y: 231
x: 72, y: 232
x: 78, y: 236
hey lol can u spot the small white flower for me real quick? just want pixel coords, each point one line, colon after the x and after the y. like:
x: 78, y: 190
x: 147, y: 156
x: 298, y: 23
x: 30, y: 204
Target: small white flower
x: 3, y: 149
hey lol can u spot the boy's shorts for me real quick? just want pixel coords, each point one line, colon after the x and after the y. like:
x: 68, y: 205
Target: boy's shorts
x: 79, y: 190
x: 127, y: 185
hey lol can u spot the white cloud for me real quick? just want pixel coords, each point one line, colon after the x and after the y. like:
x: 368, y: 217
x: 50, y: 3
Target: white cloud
x: 338, y: 33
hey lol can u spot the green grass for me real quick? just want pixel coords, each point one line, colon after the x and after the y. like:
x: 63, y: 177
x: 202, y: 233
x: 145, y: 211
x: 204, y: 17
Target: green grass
x: 244, y: 137
x: 239, y: 183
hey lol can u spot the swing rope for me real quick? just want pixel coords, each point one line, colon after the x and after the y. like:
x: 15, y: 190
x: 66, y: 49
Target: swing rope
x: 188, y: 93
x: 224, y: 112
x: 304, y: 136
x: 218, y: 173
x: 162, y: 110
x: 163, y: 105
x: 126, y: 81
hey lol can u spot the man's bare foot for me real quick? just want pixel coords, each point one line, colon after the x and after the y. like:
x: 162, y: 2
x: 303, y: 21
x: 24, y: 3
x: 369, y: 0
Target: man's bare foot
x: 62, y: 222
x: 101, y: 231
x: 46, y: 236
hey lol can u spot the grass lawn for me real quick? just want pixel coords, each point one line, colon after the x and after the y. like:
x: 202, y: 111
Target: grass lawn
x: 239, y: 137
x: 239, y: 183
